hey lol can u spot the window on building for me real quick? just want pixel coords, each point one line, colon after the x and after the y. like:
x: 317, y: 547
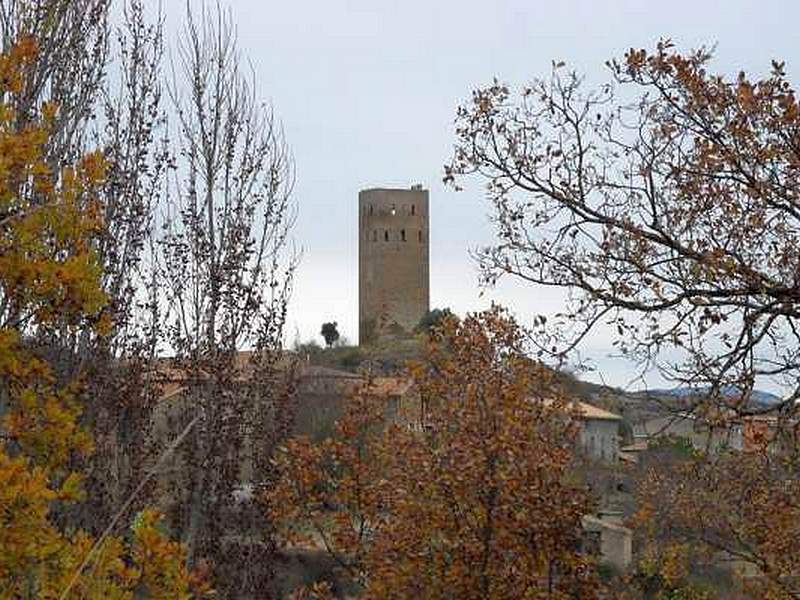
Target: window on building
x: 591, y: 543
x: 403, y: 235
x: 419, y: 235
x: 413, y: 210
x: 370, y: 209
x: 386, y: 235
x: 375, y: 235
x: 394, y: 210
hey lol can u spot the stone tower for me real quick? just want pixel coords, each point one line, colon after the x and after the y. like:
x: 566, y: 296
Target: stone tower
x: 393, y: 257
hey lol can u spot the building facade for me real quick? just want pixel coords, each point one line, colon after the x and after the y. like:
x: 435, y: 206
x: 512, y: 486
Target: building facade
x: 393, y: 261
x: 599, y: 433
x: 695, y: 430
x: 611, y: 543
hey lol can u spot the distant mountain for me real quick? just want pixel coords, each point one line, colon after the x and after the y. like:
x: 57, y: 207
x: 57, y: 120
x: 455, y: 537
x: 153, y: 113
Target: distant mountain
x: 758, y: 396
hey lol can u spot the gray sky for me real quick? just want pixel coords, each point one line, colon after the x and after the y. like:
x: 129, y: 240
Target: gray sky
x: 367, y: 91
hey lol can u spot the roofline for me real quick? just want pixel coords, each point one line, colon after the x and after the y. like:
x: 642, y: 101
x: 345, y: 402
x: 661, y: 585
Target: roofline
x: 571, y: 402
x: 600, y: 522
x: 392, y: 189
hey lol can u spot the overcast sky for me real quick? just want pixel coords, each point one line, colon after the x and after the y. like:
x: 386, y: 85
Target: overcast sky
x: 367, y: 91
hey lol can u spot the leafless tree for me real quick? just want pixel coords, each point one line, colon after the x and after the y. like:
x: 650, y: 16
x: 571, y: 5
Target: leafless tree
x: 225, y: 270
x: 131, y: 129
x: 195, y: 257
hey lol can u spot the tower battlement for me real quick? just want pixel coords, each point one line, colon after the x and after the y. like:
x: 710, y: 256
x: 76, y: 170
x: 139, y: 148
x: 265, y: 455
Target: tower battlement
x: 393, y: 261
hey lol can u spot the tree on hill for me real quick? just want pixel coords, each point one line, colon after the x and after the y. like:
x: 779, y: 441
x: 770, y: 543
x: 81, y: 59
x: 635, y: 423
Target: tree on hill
x: 330, y: 333
x: 466, y: 496
x: 432, y: 319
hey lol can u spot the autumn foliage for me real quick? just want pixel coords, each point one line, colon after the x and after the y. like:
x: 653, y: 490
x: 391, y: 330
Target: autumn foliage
x: 672, y: 219
x: 50, y: 278
x: 464, y: 494
x: 665, y: 202
x: 738, y: 508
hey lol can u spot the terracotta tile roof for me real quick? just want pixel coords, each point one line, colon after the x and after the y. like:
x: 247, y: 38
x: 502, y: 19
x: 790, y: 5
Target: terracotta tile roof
x: 171, y: 380
x: 591, y: 522
x: 306, y: 370
x: 391, y: 386
x: 170, y: 391
x: 589, y: 411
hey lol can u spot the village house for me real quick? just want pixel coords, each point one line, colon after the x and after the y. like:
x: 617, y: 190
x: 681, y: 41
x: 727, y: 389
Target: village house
x: 599, y: 432
x: 320, y: 394
x: 759, y: 431
x: 316, y: 397
x: 609, y: 541
x: 692, y: 428
x: 746, y: 433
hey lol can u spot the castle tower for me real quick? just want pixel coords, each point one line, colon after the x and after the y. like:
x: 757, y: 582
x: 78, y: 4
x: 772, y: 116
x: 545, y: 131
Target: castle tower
x: 393, y: 258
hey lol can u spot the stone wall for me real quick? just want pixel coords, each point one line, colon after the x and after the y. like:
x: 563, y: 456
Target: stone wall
x: 615, y: 541
x: 600, y: 439
x: 393, y: 261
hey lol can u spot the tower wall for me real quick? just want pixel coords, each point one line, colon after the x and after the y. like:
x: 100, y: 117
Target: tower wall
x: 393, y: 261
